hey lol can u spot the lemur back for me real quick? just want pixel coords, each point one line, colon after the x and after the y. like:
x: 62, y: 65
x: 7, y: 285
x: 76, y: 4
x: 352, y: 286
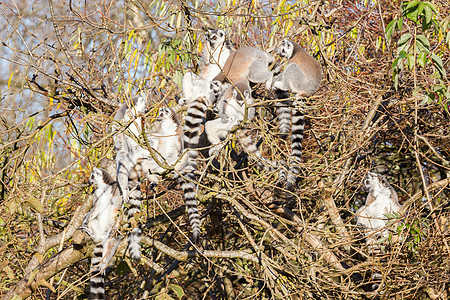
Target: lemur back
x: 247, y: 63
x: 215, y: 53
x: 99, y: 223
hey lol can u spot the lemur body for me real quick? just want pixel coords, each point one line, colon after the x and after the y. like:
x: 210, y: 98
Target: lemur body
x: 99, y: 224
x: 381, y: 200
x: 194, y: 86
x: 302, y: 76
x: 247, y: 63
x: 244, y: 66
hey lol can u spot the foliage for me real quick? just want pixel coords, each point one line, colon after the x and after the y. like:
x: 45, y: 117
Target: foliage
x: 382, y: 106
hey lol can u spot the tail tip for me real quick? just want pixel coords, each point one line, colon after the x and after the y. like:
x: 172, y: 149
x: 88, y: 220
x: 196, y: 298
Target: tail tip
x: 195, y: 239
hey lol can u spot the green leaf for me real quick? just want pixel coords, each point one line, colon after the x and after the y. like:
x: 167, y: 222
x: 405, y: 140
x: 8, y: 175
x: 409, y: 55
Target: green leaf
x: 395, y: 63
x: 438, y: 64
x: 177, y: 290
x: 400, y: 24
x: 428, y: 14
x: 411, y: 61
x: 422, y: 59
x: 404, y: 39
x: 423, y: 41
x: 412, y: 4
x: 420, y: 8
x: 390, y: 30
x: 431, y: 6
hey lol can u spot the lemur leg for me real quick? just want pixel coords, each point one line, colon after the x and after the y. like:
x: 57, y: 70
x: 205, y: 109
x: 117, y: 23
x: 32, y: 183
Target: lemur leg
x: 149, y: 168
x: 123, y: 173
x: 110, y: 246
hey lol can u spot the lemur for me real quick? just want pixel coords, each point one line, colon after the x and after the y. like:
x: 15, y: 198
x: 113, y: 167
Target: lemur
x: 166, y: 148
x: 244, y: 66
x: 381, y: 200
x: 302, y: 76
x: 194, y: 86
x: 99, y: 223
x: 215, y: 54
x: 231, y: 107
x: 247, y: 63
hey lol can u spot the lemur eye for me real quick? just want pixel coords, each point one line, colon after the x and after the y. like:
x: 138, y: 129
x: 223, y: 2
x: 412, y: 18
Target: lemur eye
x: 366, y: 182
x: 214, y: 38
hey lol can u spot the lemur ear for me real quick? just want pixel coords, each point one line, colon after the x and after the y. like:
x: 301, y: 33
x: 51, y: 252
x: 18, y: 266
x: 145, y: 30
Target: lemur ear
x: 246, y: 94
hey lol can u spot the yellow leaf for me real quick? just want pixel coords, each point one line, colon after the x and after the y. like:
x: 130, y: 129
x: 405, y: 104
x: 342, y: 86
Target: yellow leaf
x: 10, y: 77
x: 36, y: 204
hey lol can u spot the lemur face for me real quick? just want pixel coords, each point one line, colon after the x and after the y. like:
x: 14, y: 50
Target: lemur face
x: 216, y: 87
x: 374, y: 180
x: 215, y: 37
x: 164, y: 112
x: 285, y: 50
x: 140, y: 105
x: 96, y: 176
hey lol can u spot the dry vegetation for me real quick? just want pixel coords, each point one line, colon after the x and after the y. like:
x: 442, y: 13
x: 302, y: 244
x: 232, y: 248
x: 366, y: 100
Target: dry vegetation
x: 66, y: 66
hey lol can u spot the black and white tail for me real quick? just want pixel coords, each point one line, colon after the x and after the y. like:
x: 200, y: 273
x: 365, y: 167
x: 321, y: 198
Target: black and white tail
x: 97, y: 280
x: 191, y: 136
x: 284, y: 113
x: 289, y: 177
x: 134, y: 237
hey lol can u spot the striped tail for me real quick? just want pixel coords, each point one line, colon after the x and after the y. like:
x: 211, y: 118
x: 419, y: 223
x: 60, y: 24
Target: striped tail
x: 284, y: 113
x: 192, y: 129
x: 97, y: 281
x: 298, y: 127
x: 134, y: 237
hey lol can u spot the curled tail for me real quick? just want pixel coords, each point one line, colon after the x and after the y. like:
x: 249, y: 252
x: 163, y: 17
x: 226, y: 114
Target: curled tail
x: 192, y: 129
x: 97, y: 280
x: 134, y: 237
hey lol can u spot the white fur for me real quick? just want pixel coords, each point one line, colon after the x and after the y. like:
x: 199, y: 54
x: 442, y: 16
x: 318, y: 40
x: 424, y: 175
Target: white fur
x: 382, y: 200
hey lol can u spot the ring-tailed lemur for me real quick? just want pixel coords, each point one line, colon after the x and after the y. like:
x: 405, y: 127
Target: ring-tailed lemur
x: 194, y: 86
x: 166, y: 147
x: 381, y: 200
x: 244, y: 65
x: 231, y: 106
x: 99, y: 223
x: 302, y: 76
x: 215, y: 52
x: 128, y: 149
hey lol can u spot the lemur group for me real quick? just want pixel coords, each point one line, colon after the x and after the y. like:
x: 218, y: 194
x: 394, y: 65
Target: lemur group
x: 225, y: 83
